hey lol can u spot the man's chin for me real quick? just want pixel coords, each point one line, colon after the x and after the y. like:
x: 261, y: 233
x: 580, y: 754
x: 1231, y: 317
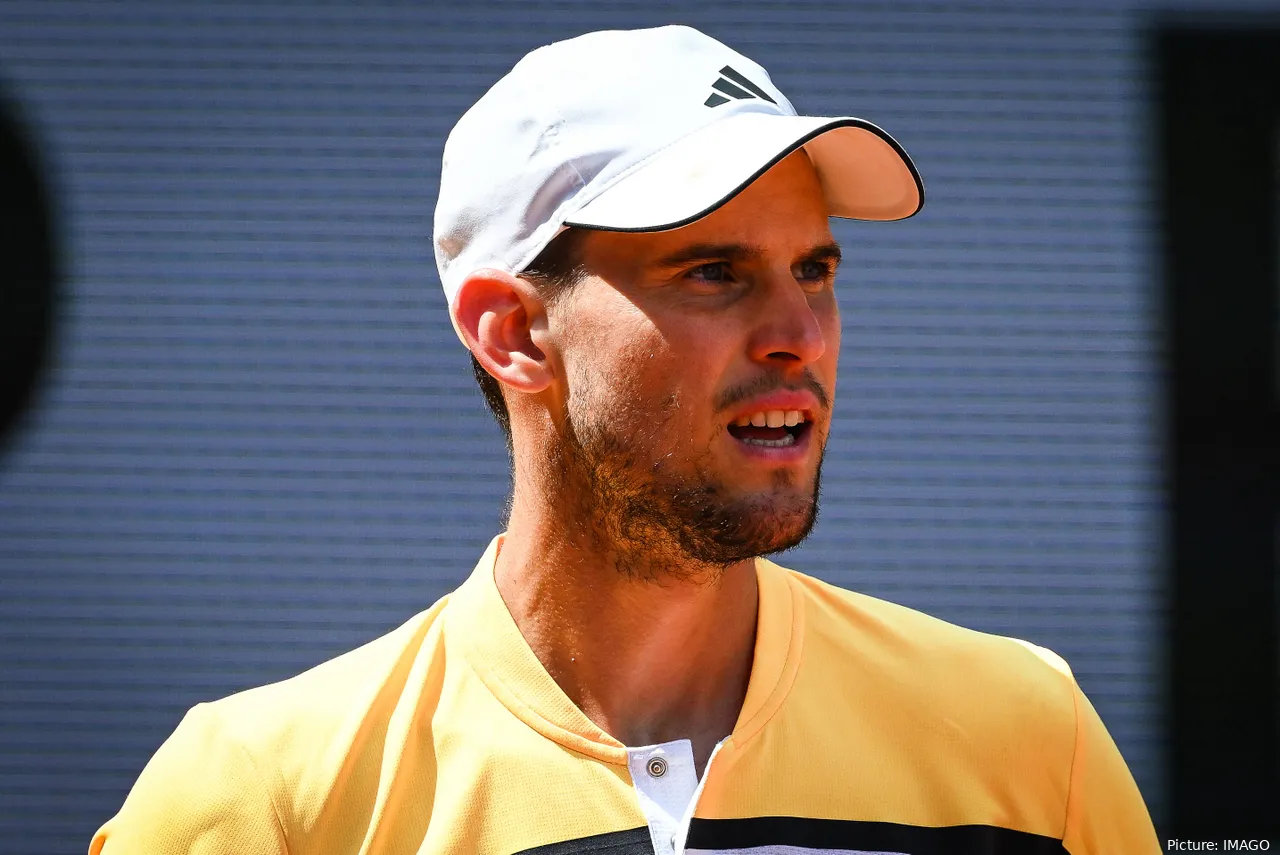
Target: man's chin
x: 782, y: 528
x: 747, y: 529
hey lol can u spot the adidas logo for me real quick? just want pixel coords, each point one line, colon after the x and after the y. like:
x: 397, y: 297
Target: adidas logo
x: 731, y: 84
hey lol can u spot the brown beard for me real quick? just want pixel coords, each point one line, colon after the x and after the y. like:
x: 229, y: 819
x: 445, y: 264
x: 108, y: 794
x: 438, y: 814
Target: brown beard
x: 654, y: 524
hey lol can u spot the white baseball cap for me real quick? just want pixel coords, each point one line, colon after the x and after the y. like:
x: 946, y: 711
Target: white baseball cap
x: 638, y: 130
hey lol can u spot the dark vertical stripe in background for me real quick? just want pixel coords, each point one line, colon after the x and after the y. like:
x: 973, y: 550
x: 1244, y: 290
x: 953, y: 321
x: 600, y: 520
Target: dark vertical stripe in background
x: 260, y: 444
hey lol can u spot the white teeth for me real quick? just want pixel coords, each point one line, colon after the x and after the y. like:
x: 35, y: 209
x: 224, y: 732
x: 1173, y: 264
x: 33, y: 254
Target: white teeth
x: 771, y: 418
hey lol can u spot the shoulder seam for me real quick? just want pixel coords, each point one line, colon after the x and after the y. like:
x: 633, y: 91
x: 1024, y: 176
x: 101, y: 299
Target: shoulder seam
x: 1062, y: 668
x: 1075, y: 753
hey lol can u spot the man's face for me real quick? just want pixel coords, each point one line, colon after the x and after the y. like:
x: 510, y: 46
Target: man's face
x: 681, y: 351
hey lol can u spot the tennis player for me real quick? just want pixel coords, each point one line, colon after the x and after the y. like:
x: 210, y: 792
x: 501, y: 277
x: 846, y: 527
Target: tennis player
x: 632, y: 232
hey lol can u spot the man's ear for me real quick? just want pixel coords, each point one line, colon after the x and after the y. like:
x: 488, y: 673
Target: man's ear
x: 496, y: 314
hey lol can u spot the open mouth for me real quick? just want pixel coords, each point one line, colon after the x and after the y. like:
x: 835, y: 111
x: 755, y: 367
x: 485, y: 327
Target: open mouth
x: 771, y: 428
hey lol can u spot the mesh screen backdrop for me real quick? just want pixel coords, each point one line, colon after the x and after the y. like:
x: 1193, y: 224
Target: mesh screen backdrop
x: 261, y: 446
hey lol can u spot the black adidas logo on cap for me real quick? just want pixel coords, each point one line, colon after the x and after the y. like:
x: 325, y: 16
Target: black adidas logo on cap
x: 735, y: 86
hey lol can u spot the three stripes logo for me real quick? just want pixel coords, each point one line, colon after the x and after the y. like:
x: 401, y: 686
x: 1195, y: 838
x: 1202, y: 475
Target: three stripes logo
x: 733, y: 85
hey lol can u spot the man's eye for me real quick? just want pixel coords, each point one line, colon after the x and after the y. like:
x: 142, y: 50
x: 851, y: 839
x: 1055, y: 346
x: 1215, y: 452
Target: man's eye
x: 716, y: 271
x: 813, y: 270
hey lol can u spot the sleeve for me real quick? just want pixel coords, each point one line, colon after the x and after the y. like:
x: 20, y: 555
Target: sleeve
x: 200, y: 794
x: 1105, y: 811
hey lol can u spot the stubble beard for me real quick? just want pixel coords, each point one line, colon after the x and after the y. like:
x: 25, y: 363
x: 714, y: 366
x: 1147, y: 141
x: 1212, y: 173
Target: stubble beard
x: 657, y: 524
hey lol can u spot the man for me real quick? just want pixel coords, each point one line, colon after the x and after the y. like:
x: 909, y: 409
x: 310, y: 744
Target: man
x: 632, y: 231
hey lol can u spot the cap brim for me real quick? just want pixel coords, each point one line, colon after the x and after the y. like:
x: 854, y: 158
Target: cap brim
x: 865, y: 174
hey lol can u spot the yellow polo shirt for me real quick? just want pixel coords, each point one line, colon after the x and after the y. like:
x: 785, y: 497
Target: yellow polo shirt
x: 867, y: 728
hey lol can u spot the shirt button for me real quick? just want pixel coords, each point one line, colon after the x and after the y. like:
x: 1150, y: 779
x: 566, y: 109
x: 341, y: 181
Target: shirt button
x: 673, y: 841
x: 657, y: 767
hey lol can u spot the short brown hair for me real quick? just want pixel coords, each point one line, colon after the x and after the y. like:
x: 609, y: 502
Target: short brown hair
x: 556, y: 270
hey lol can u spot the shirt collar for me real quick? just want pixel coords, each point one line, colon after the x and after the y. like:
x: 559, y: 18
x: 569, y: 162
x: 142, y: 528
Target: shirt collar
x: 477, y: 620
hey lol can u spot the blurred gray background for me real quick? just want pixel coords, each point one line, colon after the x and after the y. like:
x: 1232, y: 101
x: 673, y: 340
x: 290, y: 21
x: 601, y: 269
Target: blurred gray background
x: 259, y: 445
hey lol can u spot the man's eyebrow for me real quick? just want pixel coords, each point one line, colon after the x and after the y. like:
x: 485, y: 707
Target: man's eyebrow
x: 738, y: 252
x: 707, y: 252
x: 824, y: 252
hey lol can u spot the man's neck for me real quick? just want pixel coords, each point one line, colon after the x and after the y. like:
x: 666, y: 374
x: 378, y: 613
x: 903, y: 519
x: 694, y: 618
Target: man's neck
x: 647, y: 660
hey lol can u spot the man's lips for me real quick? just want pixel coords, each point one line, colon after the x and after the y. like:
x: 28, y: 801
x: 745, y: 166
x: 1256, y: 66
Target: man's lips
x: 775, y: 426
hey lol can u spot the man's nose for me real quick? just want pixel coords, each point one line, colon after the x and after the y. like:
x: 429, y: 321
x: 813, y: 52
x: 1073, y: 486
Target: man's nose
x: 788, y: 329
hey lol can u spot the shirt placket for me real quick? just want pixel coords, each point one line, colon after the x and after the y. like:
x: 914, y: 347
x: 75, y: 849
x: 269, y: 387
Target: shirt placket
x: 666, y: 782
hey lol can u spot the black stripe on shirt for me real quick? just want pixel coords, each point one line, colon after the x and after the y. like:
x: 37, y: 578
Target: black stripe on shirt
x: 634, y: 841
x: 722, y: 834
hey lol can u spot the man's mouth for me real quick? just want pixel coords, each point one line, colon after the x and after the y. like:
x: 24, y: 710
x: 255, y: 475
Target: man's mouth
x: 771, y: 428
